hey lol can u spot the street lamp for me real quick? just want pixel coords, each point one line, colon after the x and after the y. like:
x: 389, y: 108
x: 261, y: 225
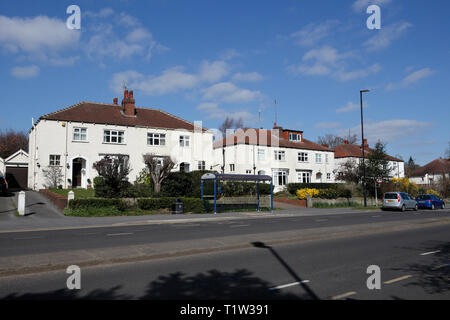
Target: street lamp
x: 363, y: 156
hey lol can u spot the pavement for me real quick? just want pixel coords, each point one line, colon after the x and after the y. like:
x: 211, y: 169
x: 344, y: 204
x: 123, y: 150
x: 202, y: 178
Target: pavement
x: 41, y: 214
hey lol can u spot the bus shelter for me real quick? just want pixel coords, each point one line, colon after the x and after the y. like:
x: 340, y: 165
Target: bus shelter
x: 217, y: 177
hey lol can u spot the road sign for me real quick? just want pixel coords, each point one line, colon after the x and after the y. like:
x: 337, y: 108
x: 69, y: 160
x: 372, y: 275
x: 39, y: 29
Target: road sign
x: 379, y: 180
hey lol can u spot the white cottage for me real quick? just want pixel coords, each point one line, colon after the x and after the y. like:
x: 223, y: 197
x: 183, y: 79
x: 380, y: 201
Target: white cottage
x: 77, y: 136
x: 281, y: 153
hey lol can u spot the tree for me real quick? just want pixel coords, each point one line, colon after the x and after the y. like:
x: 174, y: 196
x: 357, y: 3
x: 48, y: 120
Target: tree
x: 228, y: 123
x: 11, y: 141
x: 410, y: 166
x: 349, y: 171
x: 53, y: 176
x: 114, y: 171
x: 159, y: 168
x: 333, y: 140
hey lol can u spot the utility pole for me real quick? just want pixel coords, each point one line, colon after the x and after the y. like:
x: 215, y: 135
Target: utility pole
x: 363, y: 155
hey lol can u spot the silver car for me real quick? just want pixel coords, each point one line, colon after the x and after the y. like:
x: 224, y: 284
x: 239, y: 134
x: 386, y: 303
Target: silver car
x: 399, y: 201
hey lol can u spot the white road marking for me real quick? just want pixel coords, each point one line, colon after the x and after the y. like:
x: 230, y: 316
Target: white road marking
x: 431, y: 252
x: 376, y: 216
x: 289, y: 285
x: 344, y: 295
x: 398, y: 279
x: 321, y: 220
x: 119, y: 234
x: 240, y: 225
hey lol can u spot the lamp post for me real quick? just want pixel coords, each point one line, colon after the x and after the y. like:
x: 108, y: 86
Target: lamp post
x: 362, y: 138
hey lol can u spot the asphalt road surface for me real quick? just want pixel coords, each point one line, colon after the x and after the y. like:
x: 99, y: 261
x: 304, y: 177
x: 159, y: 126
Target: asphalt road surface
x: 414, y: 264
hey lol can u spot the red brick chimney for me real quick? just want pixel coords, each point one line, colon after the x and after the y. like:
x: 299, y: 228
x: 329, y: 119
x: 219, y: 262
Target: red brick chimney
x: 128, y: 103
x: 366, y: 145
x: 345, y: 141
x: 116, y: 101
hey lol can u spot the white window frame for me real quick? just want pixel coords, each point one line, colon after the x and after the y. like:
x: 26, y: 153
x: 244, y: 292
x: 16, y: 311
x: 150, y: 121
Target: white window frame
x: 304, y: 176
x: 295, y: 137
x: 117, y: 134
x: 184, y: 141
x: 326, y: 157
x: 304, y: 156
x: 261, y: 154
x: 79, y: 131
x: 318, y: 158
x: 280, y: 174
x: 201, y: 165
x: 280, y: 155
x: 56, y: 161
x: 154, y: 136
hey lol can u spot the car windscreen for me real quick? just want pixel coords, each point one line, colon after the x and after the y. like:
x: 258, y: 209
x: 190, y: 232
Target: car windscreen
x: 423, y: 197
x: 390, y: 196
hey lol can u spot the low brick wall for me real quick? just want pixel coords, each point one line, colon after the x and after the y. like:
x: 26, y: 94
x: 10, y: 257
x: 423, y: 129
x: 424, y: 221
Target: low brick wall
x: 58, y: 200
x: 300, y: 203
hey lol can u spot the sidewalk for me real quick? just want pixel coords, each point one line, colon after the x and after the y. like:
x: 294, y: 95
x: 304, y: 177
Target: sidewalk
x: 41, y: 214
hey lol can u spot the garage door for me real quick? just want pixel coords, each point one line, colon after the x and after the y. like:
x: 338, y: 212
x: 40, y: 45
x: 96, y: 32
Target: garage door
x: 17, y: 177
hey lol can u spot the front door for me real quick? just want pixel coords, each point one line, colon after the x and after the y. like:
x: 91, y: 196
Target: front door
x: 76, y: 172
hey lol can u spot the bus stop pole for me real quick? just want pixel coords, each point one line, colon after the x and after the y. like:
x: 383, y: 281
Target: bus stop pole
x: 257, y: 191
x: 271, y: 196
x: 215, y: 195
x: 202, y: 190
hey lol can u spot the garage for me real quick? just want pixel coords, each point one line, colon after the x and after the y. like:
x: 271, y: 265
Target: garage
x: 16, y: 167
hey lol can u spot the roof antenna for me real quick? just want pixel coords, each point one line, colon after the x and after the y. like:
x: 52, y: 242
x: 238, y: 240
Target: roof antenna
x: 276, y: 115
x: 124, y: 85
x: 259, y: 115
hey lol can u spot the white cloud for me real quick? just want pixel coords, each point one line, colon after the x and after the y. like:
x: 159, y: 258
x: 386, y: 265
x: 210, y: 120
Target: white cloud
x: 386, y: 35
x: 312, y: 33
x: 213, y: 71
x: 228, y: 92
x: 103, y: 13
x: 410, y: 79
x: 328, y: 125
x: 25, y: 72
x: 213, y: 111
x: 348, y: 108
x: 248, y: 77
x: 361, y: 5
x: 328, y: 61
x: 38, y: 35
x: 390, y: 130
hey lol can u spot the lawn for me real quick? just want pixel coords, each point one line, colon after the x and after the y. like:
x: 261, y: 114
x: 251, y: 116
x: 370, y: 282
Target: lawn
x: 79, y: 193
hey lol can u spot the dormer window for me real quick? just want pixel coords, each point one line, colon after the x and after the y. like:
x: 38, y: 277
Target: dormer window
x: 295, y: 137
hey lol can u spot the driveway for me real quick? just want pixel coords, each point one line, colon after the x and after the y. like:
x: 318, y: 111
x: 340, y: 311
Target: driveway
x: 7, y: 207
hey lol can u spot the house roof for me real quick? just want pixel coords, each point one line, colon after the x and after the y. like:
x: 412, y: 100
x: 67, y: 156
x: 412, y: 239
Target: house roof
x: 355, y: 151
x: 263, y: 137
x: 437, y: 166
x: 15, y: 155
x: 112, y: 114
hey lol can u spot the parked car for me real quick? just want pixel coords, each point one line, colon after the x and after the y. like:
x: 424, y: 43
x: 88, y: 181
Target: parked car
x: 3, y: 186
x: 399, y: 201
x: 430, y: 201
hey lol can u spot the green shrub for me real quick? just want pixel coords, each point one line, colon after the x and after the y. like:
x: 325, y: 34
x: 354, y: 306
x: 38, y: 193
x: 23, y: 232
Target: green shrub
x: 194, y: 205
x: 328, y: 193
x: 96, y: 203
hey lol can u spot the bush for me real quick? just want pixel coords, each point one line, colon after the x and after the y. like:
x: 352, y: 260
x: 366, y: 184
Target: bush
x: 345, y: 193
x: 433, y: 192
x: 97, y: 203
x: 137, y: 190
x: 293, y: 187
x: 328, y: 194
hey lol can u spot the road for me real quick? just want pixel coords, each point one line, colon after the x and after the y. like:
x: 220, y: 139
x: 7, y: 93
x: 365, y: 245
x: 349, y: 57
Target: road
x: 415, y: 264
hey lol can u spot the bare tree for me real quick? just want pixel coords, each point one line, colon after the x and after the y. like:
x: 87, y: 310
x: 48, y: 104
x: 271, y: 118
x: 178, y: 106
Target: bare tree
x: 53, y: 176
x: 11, y: 141
x: 228, y: 123
x: 333, y: 140
x: 159, y: 168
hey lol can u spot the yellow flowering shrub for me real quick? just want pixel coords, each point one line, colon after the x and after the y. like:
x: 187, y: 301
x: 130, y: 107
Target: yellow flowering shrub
x: 303, y: 193
x: 433, y: 192
x: 404, y: 185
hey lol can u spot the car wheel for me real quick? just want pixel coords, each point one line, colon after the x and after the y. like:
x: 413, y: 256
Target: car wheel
x: 403, y: 208
x: 416, y: 208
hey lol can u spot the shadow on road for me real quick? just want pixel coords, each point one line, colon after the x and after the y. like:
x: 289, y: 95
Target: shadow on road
x: 433, y: 277
x: 211, y: 285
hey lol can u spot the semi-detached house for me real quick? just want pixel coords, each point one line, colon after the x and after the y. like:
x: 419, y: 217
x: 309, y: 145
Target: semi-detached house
x: 74, y: 138
x: 281, y: 153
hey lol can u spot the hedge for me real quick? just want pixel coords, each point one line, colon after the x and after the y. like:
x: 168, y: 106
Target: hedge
x: 193, y: 205
x: 97, y: 203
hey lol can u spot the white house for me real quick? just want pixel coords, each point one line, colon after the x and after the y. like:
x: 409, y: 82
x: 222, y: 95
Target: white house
x: 281, y: 153
x: 74, y: 138
x: 350, y: 152
x: 431, y: 172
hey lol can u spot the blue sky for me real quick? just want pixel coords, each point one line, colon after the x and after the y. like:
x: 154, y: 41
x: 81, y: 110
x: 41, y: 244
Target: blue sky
x: 205, y: 60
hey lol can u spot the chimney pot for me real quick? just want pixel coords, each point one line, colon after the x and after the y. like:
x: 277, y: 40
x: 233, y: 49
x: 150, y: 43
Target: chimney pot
x: 116, y: 100
x: 125, y: 94
x: 130, y: 95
